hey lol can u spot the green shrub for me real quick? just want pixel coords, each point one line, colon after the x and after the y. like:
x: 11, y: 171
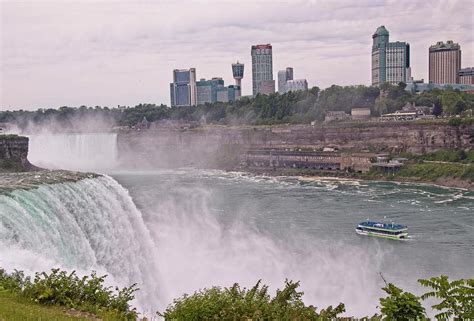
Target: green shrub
x: 235, y: 303
x: 66, y: 289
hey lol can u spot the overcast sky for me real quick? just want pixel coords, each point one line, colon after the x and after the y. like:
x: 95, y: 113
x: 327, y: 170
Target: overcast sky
x: 123, y: 52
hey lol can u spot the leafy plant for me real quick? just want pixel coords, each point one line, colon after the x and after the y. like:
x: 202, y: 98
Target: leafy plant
x: 67, y: 289
x: 235, y: 303
x: 457, y: 297
x: 400, y: 305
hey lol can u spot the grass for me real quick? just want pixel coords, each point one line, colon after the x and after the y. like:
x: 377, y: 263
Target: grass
x: 433, y: 171
x: 15, y: 308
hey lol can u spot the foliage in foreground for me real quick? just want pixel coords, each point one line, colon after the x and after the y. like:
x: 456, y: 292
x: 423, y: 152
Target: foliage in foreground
x: 457, y: 297
x: 63, y: 289
x: 235, y: 303
x: 400, y: 305
x: 67, y: 289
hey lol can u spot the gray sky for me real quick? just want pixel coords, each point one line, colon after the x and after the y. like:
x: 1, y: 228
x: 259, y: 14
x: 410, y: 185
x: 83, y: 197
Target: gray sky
x: 123, y: 52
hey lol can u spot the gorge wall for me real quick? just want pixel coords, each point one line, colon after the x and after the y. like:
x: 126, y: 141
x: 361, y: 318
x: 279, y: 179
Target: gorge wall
x: 14, y: 153
x: 221, y: 147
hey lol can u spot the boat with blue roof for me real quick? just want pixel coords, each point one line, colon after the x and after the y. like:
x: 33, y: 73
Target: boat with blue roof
x: 385, y: 230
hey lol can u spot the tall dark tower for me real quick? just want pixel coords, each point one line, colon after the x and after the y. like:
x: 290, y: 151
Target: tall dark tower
x: 238, y: 74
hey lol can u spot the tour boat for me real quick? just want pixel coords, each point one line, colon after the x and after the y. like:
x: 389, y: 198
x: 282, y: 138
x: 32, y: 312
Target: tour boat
x: 385, y: 230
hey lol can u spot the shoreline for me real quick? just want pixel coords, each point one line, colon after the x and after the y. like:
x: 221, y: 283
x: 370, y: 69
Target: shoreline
x: 444, y: 182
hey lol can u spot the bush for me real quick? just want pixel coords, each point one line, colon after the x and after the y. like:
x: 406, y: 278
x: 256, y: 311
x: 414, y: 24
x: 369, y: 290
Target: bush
x: 67, y: 289
x: 235, y: 303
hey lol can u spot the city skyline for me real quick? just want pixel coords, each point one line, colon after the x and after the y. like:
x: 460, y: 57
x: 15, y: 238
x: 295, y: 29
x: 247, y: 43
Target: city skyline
x: 122, y: 54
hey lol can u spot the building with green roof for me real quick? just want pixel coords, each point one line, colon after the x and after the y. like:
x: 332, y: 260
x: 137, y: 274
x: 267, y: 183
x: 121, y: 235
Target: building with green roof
x: 390, y: 60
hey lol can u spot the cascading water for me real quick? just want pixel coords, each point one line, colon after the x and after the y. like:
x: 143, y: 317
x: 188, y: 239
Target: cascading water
x: 91, y: 224
x: 74, y: 151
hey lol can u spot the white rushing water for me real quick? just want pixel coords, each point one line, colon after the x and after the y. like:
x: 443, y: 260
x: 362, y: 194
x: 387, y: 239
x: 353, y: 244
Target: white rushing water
x: 95, y: 151
x: 87, y: 225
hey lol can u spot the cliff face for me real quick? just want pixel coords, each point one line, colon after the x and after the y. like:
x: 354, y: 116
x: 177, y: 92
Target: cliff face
x: 221, y: 146
x: 14, y: 153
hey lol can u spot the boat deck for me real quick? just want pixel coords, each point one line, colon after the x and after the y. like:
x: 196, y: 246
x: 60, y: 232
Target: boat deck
x: 383, y: 226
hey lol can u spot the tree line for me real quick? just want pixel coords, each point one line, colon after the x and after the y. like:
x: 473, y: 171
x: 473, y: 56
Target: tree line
x: 299, y: 107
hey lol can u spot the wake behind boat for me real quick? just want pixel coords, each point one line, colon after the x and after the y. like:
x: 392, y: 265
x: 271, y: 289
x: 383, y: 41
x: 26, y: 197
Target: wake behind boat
x: 385, y: 230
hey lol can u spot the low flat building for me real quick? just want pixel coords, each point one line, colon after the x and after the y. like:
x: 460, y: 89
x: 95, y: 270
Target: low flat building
x: 466, y: 76
x: 418, y: 87
x: 336, y: 116
x: 328, y: 161
x: 267, y: 87
x: 360, y: 113
x: 297, y: 84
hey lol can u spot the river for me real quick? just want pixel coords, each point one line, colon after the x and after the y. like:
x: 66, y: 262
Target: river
x: 217, y: 228
x: 176, y: 231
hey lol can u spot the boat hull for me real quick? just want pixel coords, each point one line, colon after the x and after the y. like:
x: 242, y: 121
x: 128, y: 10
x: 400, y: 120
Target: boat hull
x: 400, y: 237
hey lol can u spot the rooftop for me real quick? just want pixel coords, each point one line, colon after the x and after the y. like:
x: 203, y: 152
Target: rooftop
x: 385, y: 226
x: 381, y: 31
x: 448, y: 45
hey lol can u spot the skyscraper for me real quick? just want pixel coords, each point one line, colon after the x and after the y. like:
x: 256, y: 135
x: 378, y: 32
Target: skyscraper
x: 283, y: 77
x: 289, y: 73
x: 183, y: 88
x: 390, y: 60
x: 262, y: 69
x: 281, y: 81
x: 207, y: 90
x: 444, y: 62
x: 238, y: 74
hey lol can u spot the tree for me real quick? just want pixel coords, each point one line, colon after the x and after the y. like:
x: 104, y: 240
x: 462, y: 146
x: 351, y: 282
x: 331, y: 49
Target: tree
x: 437, y: 109
x: 449, y: 99
x: 457, y: 297
x: 400, y: 305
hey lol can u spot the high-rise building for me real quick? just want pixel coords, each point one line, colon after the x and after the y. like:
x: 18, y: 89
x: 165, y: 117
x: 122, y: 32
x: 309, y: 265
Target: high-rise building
x: 390, y: 60
x: 466, y: 76
x: 444, y: 63
x: 262, y: 69
x: 289, y: 73
x: 212, y: 91
x: 204, y: 90
x: 183, y: 90
x: 207, y: 90
x: 282, y: 81
x: 238, y: 74
x: 283, y: 77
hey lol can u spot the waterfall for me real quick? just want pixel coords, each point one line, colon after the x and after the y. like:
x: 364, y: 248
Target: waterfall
x: 94, y: 151
x: 87, y: 225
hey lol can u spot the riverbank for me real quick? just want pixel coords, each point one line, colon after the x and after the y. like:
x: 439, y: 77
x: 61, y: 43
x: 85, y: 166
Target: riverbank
x: 409, y: 175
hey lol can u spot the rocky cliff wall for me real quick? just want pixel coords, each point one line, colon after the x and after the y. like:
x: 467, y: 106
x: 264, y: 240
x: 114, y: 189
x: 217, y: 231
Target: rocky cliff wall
x: 215, y: 146
x: 14, y: 153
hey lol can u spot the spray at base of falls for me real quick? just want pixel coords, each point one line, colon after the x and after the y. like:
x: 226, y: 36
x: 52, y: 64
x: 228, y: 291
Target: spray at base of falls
x: 91, y: 224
